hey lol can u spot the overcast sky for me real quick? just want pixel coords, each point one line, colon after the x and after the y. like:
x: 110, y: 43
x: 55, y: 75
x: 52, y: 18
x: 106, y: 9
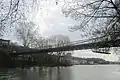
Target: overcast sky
x: 51, y: 21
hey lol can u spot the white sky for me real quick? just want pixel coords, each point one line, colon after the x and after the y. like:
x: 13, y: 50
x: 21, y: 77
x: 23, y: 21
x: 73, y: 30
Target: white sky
x: 51, y: 21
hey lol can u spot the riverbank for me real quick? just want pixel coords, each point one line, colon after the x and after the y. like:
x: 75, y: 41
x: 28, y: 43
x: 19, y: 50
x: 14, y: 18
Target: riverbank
x: 48, y: 60
x: 91, y: 61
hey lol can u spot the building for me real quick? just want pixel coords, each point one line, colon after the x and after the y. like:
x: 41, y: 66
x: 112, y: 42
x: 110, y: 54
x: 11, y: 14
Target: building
x: 4, y: 45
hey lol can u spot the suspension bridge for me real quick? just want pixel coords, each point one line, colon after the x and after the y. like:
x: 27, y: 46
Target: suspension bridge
x: 11, y: 53
x: 75, y: 45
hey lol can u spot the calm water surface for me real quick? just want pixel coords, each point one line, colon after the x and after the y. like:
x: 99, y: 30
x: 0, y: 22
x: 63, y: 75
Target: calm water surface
x: 79, y: 72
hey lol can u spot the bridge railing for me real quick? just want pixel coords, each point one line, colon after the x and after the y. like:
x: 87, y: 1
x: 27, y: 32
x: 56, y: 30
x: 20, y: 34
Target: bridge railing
x: 66, y: 44
x: 73, y: 43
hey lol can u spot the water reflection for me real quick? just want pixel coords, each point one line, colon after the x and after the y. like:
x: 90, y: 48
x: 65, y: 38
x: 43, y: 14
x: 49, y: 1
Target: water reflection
x: 36, y: 73
x: 6, y: 74
x: 81, y: 72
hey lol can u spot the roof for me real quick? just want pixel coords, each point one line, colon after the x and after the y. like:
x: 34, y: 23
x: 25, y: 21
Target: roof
x: 4, y: 40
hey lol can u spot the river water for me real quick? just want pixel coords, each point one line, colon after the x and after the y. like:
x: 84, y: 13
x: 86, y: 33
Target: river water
x: 78, y: 72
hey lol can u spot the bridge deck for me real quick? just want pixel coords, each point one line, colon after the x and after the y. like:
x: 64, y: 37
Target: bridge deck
x: 101, y: 44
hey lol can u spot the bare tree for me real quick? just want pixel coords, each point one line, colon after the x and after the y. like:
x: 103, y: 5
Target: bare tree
x: 59, y: 41
x: 27, y: 33
x: 96, y: 17
x: 14, y: 11
x: 53, y: 41
x: 41, y: 43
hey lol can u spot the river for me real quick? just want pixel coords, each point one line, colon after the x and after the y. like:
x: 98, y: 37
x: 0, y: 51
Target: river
x: 77, y: 72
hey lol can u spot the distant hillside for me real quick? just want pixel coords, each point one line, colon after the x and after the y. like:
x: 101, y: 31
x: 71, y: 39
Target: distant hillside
x: 90, y: 60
